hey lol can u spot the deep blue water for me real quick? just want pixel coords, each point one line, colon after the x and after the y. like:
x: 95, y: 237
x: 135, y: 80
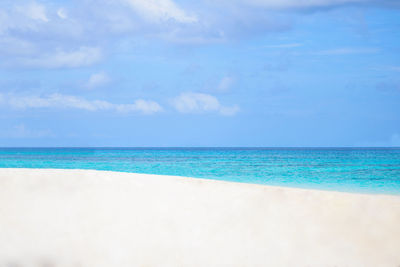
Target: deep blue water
x: 375, y: 170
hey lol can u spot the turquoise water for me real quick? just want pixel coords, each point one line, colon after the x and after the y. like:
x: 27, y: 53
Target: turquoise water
x: 375, y: 170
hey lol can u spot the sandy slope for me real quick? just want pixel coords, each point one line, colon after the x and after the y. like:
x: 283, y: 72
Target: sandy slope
x: 60, y: 218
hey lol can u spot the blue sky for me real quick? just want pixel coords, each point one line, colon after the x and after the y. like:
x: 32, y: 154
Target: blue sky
x: 200, y: 73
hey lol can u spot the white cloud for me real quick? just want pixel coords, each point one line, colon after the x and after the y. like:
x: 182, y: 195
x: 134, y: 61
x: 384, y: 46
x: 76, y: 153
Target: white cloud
x: 62, y: 13
x: 144, y: 106
x: 34, y: 11
x: 74, y: 102
x: 95, y: 22
x: 27, y: 38
x: 199, y: 103
x: 84, y: 56
x: 97, y: 80
x: 225, y: 84
x: 195, y: 102
x: 160, y: 10
x: 57, y: 101
x: 229, y: 110
x: 105, y: 22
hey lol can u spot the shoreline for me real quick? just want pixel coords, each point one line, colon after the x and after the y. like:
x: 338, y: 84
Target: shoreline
x: 283, y: 186
x: 66, y: 217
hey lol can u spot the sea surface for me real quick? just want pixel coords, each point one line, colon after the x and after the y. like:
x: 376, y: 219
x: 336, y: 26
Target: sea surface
x: 364, y: 170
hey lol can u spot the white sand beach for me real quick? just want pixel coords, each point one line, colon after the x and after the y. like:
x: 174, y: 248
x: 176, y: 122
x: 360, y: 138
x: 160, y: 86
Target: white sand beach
x: 57, y: 218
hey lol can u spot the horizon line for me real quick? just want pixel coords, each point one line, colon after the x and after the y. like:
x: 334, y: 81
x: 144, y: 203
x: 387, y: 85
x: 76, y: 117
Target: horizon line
x: 194, y: 147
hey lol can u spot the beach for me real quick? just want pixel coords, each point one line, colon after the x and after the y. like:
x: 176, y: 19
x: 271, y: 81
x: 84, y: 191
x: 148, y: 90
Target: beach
x: 54, y: 217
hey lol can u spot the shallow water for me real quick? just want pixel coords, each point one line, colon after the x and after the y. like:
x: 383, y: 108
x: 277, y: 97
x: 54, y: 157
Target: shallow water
x: 369, y: 170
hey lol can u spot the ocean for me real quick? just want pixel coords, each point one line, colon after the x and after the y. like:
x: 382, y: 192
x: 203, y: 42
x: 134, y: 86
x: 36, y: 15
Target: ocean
x: 363, y: 170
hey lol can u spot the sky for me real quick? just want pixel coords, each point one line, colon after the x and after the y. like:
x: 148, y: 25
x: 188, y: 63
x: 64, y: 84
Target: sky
x: 271, y: 73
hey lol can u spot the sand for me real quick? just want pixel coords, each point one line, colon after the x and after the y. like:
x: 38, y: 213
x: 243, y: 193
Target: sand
x: 52, y: 218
